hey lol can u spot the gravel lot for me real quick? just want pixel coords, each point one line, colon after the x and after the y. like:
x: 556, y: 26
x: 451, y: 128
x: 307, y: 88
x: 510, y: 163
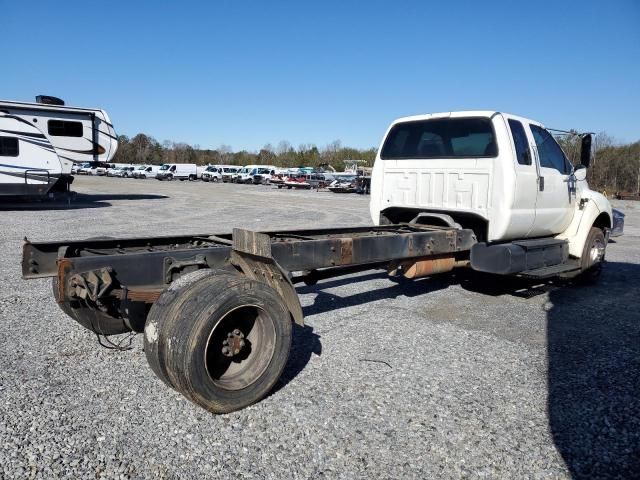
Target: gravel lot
x: 484, y: 378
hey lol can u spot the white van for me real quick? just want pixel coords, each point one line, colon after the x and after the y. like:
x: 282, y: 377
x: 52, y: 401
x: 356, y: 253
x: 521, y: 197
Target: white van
x: 263, y: 174
x: 245, y: 174
x: 178, y: 171
x: 146, y: 171
x: 217, y: 173
x: 211, y: 173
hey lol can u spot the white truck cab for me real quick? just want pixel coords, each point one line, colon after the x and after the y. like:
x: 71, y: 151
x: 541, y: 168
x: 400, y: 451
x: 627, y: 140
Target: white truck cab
x: 502, y: 175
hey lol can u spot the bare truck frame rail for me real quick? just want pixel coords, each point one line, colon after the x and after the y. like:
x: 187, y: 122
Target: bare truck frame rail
x: 217, y: 310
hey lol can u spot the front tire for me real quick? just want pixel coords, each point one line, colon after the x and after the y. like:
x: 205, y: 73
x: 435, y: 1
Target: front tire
x: 592, y: 259
x: 220, y: 339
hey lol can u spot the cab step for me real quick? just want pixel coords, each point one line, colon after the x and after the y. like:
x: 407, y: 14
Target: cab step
x: 570, y: 266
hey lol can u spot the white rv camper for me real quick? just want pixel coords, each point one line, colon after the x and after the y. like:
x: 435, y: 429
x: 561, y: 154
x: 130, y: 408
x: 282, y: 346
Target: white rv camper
x: 39, y: 143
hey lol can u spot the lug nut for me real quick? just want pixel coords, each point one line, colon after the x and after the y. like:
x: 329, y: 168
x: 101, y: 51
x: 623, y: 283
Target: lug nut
x: 226, y: 351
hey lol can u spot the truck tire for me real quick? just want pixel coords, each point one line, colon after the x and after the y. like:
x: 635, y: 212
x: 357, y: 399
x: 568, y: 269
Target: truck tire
x: 592, y: 258
x: 94, y: 320
x: 220, y: 339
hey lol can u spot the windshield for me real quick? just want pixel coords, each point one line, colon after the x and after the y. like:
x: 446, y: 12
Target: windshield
x: 211, y: 169
x: 165, y: 167
x: 441, y: 138
x: 141, y: 168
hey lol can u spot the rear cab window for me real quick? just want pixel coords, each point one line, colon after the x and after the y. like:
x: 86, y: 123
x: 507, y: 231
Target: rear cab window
x: 520, y: 141
x: 466, y: 137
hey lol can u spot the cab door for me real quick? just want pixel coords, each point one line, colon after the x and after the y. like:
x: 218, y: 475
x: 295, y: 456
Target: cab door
x: 554, y: 202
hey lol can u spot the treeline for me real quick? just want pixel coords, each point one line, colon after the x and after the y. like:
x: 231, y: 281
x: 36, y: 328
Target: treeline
x: 144, y: 149
x: 614, y: 168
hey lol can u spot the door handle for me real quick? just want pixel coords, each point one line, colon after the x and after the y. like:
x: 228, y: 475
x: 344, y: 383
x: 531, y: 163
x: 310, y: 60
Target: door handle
x: 541, y: 184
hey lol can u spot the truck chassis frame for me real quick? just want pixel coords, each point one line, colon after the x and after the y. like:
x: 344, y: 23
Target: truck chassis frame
x: 114, y: 286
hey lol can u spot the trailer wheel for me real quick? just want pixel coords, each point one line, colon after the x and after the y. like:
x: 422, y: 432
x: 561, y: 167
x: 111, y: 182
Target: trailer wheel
x: 220, y: 339
x: 592, y: 258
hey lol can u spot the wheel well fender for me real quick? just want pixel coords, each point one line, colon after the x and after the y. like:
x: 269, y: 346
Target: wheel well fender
x: 269, y: 272
x: 576, y: 234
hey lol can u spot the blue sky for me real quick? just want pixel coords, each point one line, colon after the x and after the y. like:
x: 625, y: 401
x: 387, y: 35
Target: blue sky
x: 247, y: 73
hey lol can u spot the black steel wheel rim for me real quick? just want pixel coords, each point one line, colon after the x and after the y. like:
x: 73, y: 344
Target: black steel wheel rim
x: 240, y: 347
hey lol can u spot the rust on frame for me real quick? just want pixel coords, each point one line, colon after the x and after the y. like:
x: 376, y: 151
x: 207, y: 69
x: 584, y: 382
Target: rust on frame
x: 346, y: 251
x: 64, y: 265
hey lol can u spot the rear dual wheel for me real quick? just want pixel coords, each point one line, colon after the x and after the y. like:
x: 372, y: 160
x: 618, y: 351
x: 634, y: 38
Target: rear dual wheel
x: 222, y: 340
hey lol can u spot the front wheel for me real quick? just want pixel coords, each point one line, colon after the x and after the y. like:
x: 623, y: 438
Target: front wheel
x: 592, y: 259
x: 220, y: 339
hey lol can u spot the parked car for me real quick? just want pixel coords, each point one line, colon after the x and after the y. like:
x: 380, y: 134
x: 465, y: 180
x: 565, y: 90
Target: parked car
x: 178, y: 171
x: 84, y: 169
x: 116, y: 166
x: 123, y: 172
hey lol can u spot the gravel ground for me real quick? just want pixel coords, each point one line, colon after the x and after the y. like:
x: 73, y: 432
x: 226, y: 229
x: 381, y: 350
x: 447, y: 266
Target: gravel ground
x: 482, y: 378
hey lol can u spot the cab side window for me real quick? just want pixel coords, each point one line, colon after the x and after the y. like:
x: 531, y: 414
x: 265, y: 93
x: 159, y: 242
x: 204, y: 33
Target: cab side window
x: 520, y: 141
x: 550, y: 153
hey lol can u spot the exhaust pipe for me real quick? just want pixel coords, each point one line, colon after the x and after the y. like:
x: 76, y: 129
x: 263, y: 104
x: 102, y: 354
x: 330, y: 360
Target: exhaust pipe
x: 425, y: 267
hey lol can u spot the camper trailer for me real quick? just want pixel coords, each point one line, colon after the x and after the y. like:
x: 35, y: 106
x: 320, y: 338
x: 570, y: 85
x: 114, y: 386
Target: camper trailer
x: 39, y: 143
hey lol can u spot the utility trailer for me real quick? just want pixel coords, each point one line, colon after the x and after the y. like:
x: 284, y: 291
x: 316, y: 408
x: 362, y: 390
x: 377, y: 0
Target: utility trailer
x: 217, y: 310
